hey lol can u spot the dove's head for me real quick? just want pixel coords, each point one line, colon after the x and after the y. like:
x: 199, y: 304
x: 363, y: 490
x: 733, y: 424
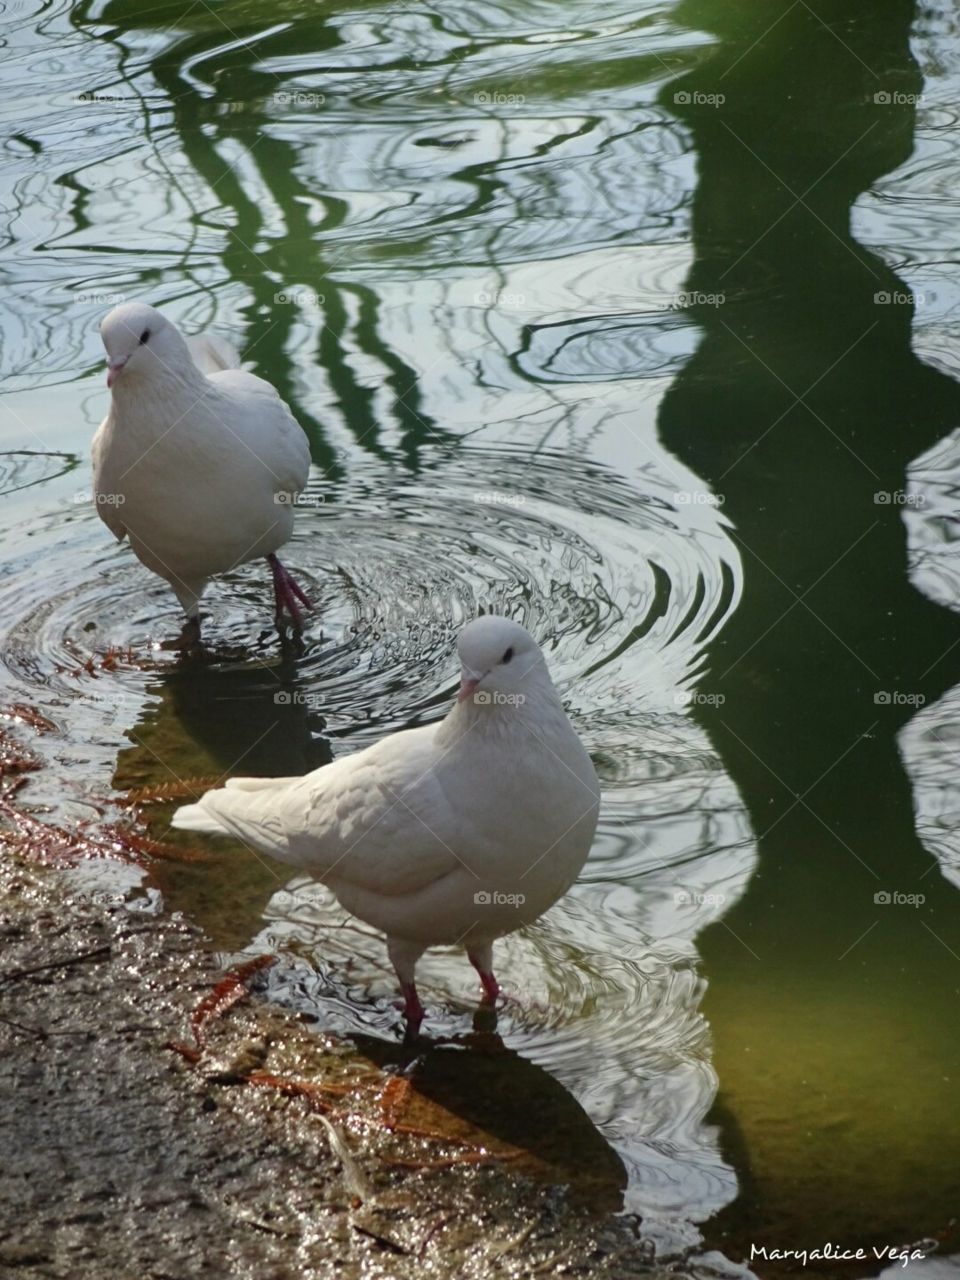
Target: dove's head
x: 500, y: 662
x: 139, y: 340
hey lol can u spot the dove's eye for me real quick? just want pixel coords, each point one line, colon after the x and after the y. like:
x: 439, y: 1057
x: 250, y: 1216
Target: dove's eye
x: 508, y: 655
x: 144, y: 336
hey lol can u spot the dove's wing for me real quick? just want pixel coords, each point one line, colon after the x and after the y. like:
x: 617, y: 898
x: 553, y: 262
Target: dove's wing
x: 109, y: 512
x: 378, y: 820
x: 211, y: 353
x: 256, y: 415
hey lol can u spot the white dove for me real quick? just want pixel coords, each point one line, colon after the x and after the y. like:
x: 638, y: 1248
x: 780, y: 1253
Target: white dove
x: 452, y: 833
x: 198, y: 462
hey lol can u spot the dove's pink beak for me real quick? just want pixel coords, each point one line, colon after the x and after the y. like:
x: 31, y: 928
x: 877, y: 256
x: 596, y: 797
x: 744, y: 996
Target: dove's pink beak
x: 467, y: 686
x: 114, y: 370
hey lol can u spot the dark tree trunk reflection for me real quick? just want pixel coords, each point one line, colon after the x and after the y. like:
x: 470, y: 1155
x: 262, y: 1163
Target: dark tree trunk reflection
x: 803, y: 402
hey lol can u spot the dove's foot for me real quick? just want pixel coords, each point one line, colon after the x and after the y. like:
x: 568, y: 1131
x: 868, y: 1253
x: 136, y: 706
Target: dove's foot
x: 485, y: 1023
x: 189, y: 637
x: 287, y: 594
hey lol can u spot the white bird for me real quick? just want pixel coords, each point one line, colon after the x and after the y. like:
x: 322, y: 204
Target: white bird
x: 453, y: 833
x: 198, y: 463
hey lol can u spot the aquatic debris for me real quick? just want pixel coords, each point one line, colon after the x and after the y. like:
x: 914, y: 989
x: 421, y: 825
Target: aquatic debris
x: 396, y: 1094
x: 355, y: 1180
x: 24, y: 714
x: 160, y: 792
x: 393, y: 1102
x: 55, y: 846
x: 13, y: 975
x: 353, y: 1176
x: 478, y: 1156
x: 81, y: 957
x: 388, y: 1095
x: 387, y: 1104
x: 37, y: 1032
x: 216, y: 1003
x: 15, y: 758
x: 112, y: 659
x: 140, y: 848
x: 293, y: 1088
x: 377, y: 1236
x: 322, y: 1097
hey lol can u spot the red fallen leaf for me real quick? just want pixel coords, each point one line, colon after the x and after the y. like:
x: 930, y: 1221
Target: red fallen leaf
x: 44, y: 842
x: 162, y: 791
x: 322, y: 1096
x: 216, y: 1003
x: 394, y: 1098
x: 15, y: 758
x: 291, y: 1088
x: 191, y: 1055
x: 51, y: 845
x: 27, y: 715
x: 110, y: 661
x: 139, y: 847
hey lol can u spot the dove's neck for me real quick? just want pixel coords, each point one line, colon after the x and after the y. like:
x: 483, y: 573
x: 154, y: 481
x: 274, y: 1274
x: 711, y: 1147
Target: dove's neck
x: 162, y: 394
x: 537, y: 710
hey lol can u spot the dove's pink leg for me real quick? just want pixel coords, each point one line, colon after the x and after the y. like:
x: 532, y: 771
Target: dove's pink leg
x: 286, y: 593
x: 412, y: 1008
x: 482, y: 961
x: 404, y: 956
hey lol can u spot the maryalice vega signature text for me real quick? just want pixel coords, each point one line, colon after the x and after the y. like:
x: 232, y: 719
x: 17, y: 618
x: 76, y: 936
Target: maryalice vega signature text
x: 904, y: 1254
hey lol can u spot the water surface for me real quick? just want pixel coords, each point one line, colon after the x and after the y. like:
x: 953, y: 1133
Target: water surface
x: 636, y: 322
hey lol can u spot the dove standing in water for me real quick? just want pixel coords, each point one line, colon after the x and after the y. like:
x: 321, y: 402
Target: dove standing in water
x: 453, y: 833
x: 198, y: 462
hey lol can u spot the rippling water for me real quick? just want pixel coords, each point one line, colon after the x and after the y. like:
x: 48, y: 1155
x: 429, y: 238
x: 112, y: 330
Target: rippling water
x: 468, y: 247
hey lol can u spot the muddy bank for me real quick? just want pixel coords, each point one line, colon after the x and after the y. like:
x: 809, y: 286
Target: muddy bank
x: 256, y: 1149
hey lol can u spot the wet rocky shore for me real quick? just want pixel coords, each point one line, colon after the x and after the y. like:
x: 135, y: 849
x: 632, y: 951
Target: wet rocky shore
x: 159, y: 1119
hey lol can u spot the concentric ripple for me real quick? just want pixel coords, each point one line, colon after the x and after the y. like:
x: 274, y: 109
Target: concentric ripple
x: 473, y: 308
x: 620, y: 584
x: 395, y: 566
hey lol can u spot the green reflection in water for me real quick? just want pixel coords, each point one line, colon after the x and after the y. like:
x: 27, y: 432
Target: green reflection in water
x: 834, y: 1018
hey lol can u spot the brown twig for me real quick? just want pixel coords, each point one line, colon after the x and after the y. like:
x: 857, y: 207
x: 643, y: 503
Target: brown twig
x: 30, y: 1031
x: 81, y: 958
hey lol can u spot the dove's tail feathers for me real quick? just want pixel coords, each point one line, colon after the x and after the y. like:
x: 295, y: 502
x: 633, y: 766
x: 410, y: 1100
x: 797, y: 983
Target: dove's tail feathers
x: 258, y: 784
x: 196, y: 817
x: 212, y: 354
x: 244, y: 809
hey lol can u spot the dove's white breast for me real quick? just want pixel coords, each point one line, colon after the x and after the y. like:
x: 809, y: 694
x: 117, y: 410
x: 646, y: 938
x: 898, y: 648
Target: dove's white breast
x: 198, y: 472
